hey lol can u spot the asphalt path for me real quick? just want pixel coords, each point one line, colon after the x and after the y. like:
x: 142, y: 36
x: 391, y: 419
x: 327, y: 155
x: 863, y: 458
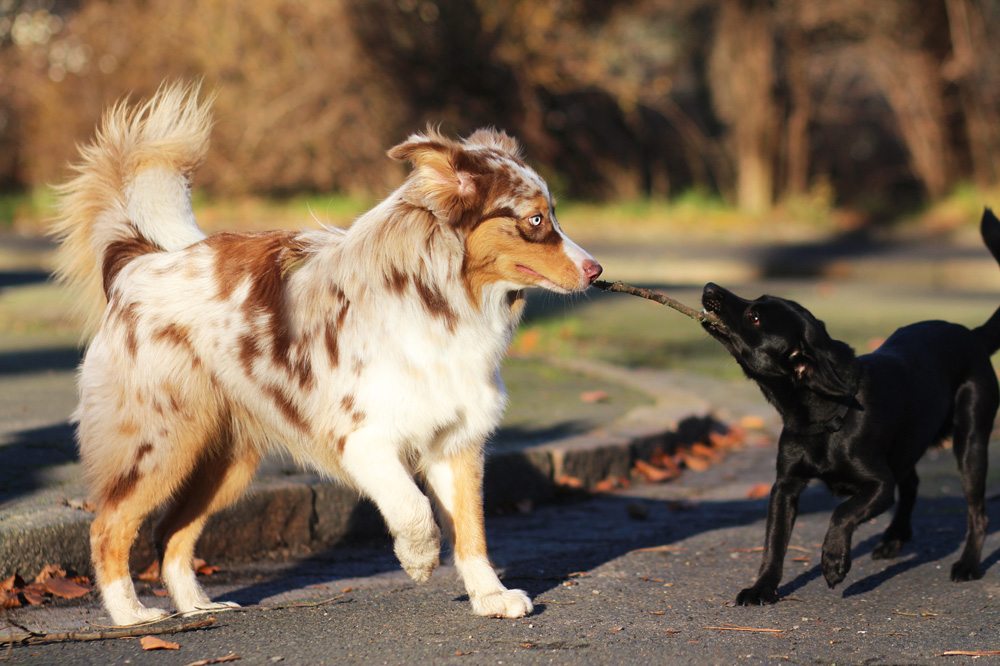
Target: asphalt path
x: 643, y: 575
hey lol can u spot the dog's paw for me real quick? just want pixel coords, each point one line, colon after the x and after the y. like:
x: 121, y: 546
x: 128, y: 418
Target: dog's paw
x: 503, y: 603
x: 137, y: 615
x: 757, y: 596
x: 419, y: 557
x: 835, y: 568
x: 962, y: 571
x: 887, y: 550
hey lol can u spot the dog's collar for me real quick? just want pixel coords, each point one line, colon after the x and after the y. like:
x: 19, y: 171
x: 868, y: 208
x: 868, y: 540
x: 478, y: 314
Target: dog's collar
x: 832, y: 424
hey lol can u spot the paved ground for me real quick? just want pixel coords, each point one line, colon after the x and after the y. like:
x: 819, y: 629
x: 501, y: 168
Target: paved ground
x: 638, y: 576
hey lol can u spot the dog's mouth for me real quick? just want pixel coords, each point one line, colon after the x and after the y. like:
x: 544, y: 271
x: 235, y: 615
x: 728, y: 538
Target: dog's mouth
x: 540, y: 280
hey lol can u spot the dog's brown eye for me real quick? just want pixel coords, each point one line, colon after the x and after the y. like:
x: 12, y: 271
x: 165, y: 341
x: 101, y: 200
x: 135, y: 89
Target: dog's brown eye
x: 752, y: 318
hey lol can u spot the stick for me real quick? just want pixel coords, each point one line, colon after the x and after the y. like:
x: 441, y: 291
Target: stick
x: 37, y: 638
x: 662, y: 299
x: 750, y: 629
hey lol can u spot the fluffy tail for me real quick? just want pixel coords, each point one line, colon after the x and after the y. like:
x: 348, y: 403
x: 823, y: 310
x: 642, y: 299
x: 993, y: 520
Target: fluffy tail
x: 989, y: 228
x: 132, y: 190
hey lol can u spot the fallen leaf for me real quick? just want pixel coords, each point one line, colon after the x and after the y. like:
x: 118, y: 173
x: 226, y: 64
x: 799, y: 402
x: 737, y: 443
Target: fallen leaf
x: 150, y: 574
x: 706, y: 452
x: 11, y: 582
x: 527, y: 341
x: 578, y: 574
x: 9, y: 599
x: 653, y: 474
x: 695, y: 463
x: 207, y: 569
x: 594, y: 396
x: 759, y: 491
x: 65, y: 588
x: 752, y: 422
x: 157, y: 643
x: 617, y: 629
x: 50, y: 571
x: 34, y: 594
x: 971, y: 653
x: 232, y: 656
x: 526, y: 645
x: 346, y: 590
x: 605, y: 485
x: 658, y: 612
x: 568, y: 481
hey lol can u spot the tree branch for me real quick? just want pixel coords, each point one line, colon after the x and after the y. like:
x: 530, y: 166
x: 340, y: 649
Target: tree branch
x: 662, y: 299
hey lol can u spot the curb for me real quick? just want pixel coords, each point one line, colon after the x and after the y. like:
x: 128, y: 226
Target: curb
x: 306, y: 513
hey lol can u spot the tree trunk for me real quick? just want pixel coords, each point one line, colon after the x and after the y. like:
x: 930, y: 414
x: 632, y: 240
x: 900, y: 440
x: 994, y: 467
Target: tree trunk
x: 741, y: 78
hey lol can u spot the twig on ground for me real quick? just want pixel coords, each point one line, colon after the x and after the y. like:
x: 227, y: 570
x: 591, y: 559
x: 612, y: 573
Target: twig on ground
x: 731, y: 627
x: 662, y: 299
x: 135, y: 631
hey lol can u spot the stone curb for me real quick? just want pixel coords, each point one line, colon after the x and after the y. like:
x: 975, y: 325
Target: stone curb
x: 305, y: 513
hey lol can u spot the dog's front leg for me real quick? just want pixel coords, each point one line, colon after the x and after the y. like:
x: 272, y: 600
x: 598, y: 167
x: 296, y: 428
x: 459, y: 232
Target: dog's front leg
x: 457, y: 483
x: 782, y: 509
x: 872, y: 499
x: 372, y: 463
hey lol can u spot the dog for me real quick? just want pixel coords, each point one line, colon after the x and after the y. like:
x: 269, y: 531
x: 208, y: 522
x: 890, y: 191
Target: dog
x: 370, y: 354
x: 861, y: 423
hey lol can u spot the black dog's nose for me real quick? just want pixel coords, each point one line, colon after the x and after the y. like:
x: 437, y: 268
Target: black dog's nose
x: 711, y: 297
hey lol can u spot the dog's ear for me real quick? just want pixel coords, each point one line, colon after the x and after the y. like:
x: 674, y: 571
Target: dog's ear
x: 490, y: 137
x: 437, y: 183
x: 825, y: 365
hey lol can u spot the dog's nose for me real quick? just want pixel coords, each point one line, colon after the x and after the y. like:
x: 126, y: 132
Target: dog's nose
x: 711, y: 289
x: 592, y: 270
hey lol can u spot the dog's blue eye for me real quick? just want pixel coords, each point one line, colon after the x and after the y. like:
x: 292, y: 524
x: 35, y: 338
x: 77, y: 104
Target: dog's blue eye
x: 535, y: 220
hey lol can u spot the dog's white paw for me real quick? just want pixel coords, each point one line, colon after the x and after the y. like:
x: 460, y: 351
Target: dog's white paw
x: 504, y: 603
x: 137, y: 615
x: 210, y: 607
x: 419, y: 557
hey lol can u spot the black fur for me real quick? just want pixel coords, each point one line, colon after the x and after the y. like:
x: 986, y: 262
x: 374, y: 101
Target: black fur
x: 860, y: 424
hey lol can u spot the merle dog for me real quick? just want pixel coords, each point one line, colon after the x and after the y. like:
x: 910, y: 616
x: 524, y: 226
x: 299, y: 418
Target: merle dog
x: 860, y: 424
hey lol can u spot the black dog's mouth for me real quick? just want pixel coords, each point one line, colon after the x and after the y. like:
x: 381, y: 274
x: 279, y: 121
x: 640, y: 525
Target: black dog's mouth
x: 713, y: 323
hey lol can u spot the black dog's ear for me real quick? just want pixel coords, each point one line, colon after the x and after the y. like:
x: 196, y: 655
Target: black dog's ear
x: 825, y: 365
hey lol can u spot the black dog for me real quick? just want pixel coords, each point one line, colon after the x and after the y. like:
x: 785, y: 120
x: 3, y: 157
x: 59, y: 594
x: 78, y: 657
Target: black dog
x: 861, y: 423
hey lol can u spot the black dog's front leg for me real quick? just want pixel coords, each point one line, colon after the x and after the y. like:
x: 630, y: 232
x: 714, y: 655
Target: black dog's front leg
x: 781, y: 511
x: 872, y: 499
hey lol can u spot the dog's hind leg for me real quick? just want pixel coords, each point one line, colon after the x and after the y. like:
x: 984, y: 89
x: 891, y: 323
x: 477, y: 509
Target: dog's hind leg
x: 370, y: 460
x: 220, y: 477
x: 457, y: 484
x: 900, y: 530
x: 975, y: 409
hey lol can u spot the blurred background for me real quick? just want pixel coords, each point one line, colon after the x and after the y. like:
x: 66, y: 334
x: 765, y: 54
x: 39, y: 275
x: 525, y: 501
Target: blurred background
x: 749, y: 113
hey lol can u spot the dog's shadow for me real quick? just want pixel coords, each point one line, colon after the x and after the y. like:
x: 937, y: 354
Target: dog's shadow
x: 592, y: 532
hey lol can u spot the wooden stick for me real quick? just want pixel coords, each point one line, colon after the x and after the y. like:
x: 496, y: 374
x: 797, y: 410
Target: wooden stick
x: 38, y: 638
x: 662, y: 299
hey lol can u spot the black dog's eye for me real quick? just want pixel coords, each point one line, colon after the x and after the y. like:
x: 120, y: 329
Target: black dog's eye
x: 752, y: 318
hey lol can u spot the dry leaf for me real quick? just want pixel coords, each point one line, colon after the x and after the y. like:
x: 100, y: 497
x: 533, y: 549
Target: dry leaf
x: 752, y: 422
x: 346, y: 590
x: 151, y: 574
x: 759, y: 491
x: 705, y: 451
x: 11, y: 582
x: 9, y: 599
x: 65, y: 588
x: 34, y: 593
x: 695, y: 463
x: 617, y: 629
x: 232, y: 656
x: 526, y: 645
x: 157, y: 643
x: 660, y: 549
x: 50, y: 571
x: 658, y: 612
x: 654, y: 474
x: 731, y: 627
x: 207, y: 569
x: 594, y: 396
x: 578, y: 574
x: 569, y: 481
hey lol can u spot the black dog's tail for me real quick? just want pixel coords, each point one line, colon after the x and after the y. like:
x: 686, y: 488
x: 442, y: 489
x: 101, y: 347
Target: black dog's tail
x: 989, y: 228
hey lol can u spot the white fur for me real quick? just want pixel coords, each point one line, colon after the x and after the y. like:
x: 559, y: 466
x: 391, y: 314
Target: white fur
x: 158, y: 203
x: 124, y: 607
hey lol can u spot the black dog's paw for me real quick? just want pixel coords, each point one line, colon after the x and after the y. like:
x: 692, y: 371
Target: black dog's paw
x: 757, y: 596
x: 887, y: 550
x: 835, y: 568
x: 962, y: 571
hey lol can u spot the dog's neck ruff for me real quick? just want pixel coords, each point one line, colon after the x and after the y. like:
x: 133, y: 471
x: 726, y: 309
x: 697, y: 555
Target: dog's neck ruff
x: 831, y: 424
